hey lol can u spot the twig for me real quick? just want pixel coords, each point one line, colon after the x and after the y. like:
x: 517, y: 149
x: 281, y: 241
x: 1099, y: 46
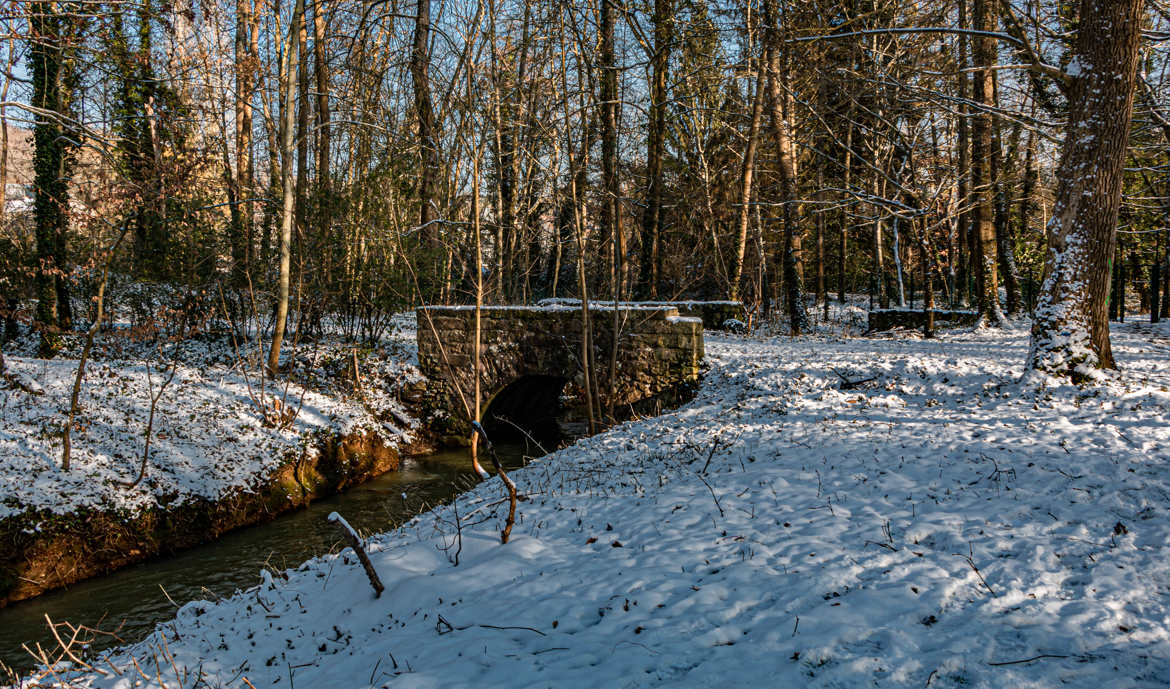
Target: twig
x: 150, y: 421
x: 67, y: 648
x: 1027, y: 660
x: 714, y: 449
x: 527, y: 629
x: 971, y: 561
x: 713, y: 496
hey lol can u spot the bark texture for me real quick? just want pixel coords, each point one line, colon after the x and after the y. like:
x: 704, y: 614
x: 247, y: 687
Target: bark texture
x: 982, y: 180
x: 1070, y: 334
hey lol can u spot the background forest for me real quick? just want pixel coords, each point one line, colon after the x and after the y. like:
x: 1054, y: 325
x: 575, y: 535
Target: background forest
x: 347, y: 159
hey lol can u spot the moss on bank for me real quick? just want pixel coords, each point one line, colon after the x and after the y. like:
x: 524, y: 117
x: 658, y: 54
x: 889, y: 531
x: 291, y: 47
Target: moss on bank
x: 41, y: 551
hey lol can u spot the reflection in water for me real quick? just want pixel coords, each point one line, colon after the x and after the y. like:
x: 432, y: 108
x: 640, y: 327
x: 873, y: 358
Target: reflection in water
x: 139, y: 597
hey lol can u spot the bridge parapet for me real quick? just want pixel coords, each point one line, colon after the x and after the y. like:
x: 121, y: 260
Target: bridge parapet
x: 659, y: 353
x: 714, y: 314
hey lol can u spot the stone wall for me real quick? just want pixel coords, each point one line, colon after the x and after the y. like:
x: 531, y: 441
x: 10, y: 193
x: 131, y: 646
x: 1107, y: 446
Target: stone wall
x: 885, y: 319
x: 659, y: 352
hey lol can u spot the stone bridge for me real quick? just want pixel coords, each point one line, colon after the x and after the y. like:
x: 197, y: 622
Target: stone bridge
x: 531, y: 358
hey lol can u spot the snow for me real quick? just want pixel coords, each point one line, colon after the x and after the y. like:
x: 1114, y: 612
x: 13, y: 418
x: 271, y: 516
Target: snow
x: 209, y: 437
x: 942, y: 525
x: 335, y: 518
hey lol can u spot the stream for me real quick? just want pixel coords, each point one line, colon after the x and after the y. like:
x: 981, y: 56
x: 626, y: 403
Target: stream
x: 134, y: 598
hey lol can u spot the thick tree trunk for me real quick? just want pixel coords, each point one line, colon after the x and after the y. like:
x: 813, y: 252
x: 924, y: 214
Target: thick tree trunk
x: 822, y: 296
x: 1070, y: 334
x: 425, y: 115
x: 982, y: 180
x: 51, y: 170
x: 927, y: 279
x: 878, y: 278
x: 302, y: 139
x: 649, y: 273
x: 1165, y: 311
x: 611, y: 207
x: 790, y: 212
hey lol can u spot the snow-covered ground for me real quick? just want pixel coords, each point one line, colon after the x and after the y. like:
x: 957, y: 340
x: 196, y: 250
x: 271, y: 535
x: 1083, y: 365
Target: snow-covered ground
x: 933, y: 524
x: 209, y: 436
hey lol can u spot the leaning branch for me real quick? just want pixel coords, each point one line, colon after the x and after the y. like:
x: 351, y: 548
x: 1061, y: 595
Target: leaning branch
x: 356, y: 544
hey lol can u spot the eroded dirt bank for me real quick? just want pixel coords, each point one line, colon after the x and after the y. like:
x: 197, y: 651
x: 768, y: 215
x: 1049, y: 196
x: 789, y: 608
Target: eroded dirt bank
x: 41, y: 551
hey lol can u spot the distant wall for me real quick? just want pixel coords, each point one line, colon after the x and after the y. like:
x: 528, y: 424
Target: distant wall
x: 886, y: 319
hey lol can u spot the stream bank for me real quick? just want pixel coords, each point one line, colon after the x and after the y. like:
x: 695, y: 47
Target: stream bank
x: 131, y: 601
x: 42, y: 551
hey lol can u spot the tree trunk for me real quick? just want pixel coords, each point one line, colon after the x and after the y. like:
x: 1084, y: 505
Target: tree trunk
x: 4, y: 134
x: 51, y: 169
x: 242, y: 212
x: 650, y: 269
x: 745, y: 186
x: 982, y: 181
x: 611, y: 220
x: 841, y: 265
x: 1070, y: 334
x: 321, y: 72
x: 302, y: 138
x: 822, y: 296
x: 927, y: 279
x: 1003, y: 231
x: 288, y: 210
x: 878, y: 279
x: 323, y: 208
x: 1156, y: 279
x: 1028, y: 194
x: 785, y: 150
x: 425, y: 115
x: 963, y: 258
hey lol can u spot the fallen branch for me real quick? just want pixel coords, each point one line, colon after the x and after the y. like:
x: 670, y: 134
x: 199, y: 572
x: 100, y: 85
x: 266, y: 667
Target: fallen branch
x: 356, y: 544
x: 848, y: 384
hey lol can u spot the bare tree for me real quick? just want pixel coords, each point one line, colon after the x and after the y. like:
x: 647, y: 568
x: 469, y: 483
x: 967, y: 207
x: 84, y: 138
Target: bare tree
x: 288, y: 188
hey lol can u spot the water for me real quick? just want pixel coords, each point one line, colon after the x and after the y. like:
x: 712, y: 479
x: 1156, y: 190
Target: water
x: 133, y: 600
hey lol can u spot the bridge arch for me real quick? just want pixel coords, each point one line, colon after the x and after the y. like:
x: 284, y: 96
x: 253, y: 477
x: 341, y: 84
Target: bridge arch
x: 527, y: 350
x: 530, y: 404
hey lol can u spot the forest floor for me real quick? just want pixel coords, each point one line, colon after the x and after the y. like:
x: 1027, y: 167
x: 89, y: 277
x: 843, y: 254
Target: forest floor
x: 828, y: 512
x: 208, y: 437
